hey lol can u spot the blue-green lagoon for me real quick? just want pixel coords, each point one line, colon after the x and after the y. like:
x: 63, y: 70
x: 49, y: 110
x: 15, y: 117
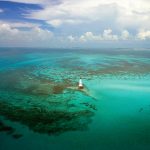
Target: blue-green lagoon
x: 42, y: 108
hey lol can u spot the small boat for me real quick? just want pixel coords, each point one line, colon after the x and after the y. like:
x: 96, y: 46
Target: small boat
x: 80, y: 85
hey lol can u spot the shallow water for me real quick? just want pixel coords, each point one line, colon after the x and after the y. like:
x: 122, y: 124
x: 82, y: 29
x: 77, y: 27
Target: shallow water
x: 40, y: 106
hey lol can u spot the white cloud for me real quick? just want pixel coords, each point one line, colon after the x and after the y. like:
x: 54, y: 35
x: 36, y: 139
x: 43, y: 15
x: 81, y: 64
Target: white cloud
x: 108, y: 35
x: 90, y: 36
x: 13, y: 35
x: 120, y: 13
x: 59, y: 22
x: 123, y: 13
x: 125, y: 35
x: 36, y: 36
x: 105, y: 36
x: 20, y: 24
x: 55, y: 22
x: 143, y: 35
x: 91, y: 15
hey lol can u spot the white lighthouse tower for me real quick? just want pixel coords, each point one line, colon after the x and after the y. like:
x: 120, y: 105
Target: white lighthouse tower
x: 80, y: 85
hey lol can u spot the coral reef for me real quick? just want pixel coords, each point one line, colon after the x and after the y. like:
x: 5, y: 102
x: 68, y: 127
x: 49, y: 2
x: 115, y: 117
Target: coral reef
x: 47, y: 121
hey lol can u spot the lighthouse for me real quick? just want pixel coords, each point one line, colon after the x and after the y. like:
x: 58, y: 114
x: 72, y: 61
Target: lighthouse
x: 80, y: 85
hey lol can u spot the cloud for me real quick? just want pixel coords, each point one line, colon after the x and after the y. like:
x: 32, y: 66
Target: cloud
x: 108, y: 35
x: 55, y: 22
x: 20, y: 24
x: 59, y: 22
x: 73, y: 12
x: 143, y: 35
x: 12, y: 35
x: 105, y: 36
x: 79, y: 16
x: 125, y: 35
x: 71, y: 38
x: 122, y: 13
x: 76, y: 22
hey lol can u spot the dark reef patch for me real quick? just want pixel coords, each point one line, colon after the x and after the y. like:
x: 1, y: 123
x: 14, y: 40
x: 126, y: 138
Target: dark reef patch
x: 9, y: 130
x: 17, y: 136
x: 24, y: 81
x: 6, y: 128
x: 46, y: 121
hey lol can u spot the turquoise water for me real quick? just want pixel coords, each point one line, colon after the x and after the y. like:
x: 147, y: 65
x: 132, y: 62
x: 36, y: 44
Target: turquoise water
x: 42, y: 108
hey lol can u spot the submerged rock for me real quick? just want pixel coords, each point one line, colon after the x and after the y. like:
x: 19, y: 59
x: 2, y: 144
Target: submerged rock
x: 17, y: 136
x: 5, y: 128
x: 141, y: 109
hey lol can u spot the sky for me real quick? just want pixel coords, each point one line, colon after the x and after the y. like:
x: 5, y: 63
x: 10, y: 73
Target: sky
x: 75, y: 23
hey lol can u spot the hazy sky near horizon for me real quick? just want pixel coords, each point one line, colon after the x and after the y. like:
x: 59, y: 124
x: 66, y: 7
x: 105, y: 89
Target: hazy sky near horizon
x: 62, y: 23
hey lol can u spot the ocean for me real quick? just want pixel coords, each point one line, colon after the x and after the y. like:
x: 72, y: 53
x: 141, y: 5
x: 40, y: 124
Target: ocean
x: 42, y: 108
